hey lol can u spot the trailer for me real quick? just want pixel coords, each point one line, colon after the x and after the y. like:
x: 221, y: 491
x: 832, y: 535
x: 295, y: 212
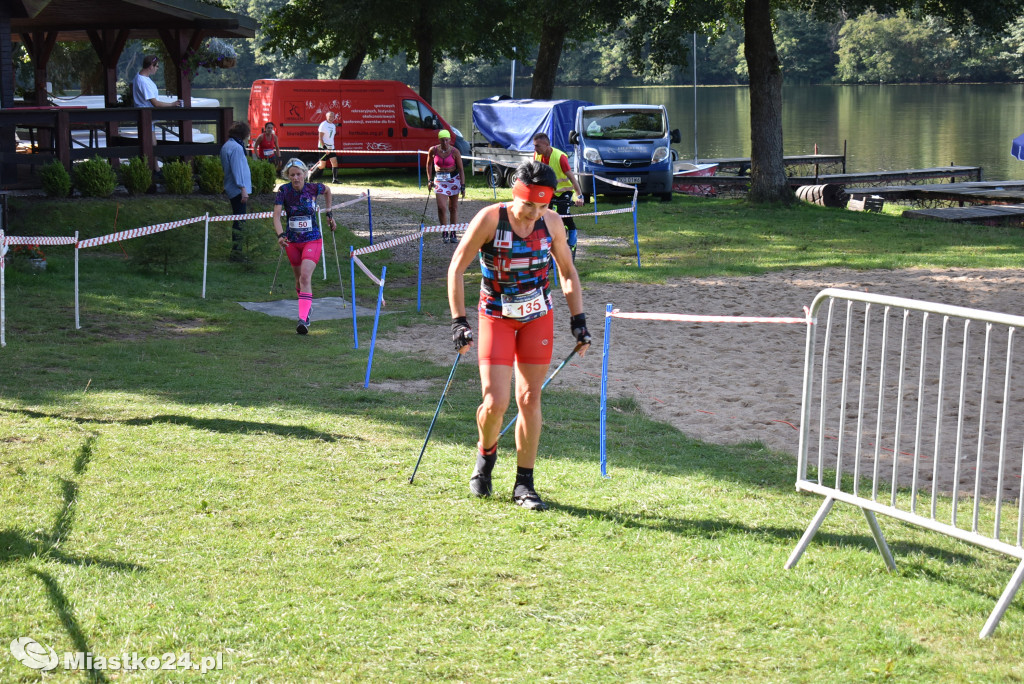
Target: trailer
x: 507, y: 127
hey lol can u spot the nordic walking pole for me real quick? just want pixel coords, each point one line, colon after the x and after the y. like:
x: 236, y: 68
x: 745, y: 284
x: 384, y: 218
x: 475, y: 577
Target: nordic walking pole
x: 425, y: 205
x: 579, y: 345
x: 280, y: 254
x: 337, y: 263
x: 458, y: 356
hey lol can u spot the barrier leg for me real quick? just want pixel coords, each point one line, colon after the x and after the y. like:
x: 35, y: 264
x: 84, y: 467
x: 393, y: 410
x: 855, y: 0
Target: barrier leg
x: 636, y: 234
x: 3, y: 290
x: 206, y: 249
x: 78, y: 324
x: 419, y: 273
x: 369, y: 213
x: 604, y: 387
x: 355, y: 326
x: 376, y: 320
x: 1003, y: 603
x: 812, y: 529
x: 883, y: 547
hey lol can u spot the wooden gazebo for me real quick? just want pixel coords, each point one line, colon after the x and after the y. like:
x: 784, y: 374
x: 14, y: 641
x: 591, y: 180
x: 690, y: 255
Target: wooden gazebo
x: 181, y: 25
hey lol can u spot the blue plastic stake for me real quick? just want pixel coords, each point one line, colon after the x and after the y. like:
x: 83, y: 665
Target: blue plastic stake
x: 604, y: 387
x: 593, y: 178
x: 369, y: 213
x: 376, y: 320
x: 419, y: 272
x: 494, y: 188
x: 352, y: 266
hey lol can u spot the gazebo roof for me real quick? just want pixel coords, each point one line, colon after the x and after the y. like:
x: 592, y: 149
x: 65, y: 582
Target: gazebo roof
x: 73, y: 19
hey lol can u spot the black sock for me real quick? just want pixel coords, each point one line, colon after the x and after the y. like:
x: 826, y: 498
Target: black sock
x: 334, y: 176
x: 486, y: 458
x: 524, y: 476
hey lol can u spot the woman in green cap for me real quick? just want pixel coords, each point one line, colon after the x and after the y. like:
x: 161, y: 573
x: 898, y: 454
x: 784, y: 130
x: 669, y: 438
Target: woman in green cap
x: 446, y: 176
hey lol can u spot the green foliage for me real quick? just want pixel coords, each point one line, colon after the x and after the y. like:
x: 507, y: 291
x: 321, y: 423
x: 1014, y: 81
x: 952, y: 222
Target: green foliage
x: 178, y: 177
x: 95, y: 178
x: 169, y: 250
x: 210, y: 175
x: 56, y: 180
x: 264, y: 175
x: 137, y: 176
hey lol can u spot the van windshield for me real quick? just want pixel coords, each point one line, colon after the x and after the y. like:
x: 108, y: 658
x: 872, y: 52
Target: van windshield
x: 616, y: 124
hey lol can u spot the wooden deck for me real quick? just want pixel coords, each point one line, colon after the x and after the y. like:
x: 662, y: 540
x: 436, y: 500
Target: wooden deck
x: 980, y: 192
x: 846, y: 179
x: 741, y: 165
x: 996, y: 214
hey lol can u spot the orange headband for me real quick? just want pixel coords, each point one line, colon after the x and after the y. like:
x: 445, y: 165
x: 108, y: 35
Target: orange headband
x: 540, y: 194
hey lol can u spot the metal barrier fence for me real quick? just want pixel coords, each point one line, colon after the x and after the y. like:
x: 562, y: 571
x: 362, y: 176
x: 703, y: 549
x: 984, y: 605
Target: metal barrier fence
x: 910, y: 409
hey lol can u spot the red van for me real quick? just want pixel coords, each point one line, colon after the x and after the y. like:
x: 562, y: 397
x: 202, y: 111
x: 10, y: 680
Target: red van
x: 372, y: 116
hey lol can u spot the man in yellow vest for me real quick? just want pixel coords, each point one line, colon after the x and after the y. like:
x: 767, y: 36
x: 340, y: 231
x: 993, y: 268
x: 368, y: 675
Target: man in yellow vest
x: 567, y: 184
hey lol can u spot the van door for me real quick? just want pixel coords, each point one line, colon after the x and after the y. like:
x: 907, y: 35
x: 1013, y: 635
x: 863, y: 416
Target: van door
x: 421, y: 125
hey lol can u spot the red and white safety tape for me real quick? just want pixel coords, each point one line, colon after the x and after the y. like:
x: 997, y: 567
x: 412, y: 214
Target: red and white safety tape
x: 445, y: 229
x: 137, y: 232
x: 361, y: 265
x: 37, y: 240
x: 691, y: 318
x: 387, y: 244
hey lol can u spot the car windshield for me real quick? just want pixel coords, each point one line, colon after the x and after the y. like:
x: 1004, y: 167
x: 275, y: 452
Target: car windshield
x: 616, y: 124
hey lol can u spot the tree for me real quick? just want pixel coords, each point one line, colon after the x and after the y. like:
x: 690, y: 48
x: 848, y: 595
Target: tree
x: 555, y: 25
x: 670, y: 21
x: 361, y: 29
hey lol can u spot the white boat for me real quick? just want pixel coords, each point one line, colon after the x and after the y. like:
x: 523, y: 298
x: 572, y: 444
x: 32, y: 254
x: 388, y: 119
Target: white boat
x: 683, y: 172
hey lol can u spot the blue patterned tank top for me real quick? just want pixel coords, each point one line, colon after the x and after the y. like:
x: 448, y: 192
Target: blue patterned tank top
x: 512, y: 265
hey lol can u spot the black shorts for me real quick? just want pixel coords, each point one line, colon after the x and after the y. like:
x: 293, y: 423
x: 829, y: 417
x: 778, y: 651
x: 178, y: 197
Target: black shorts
x: 328, y: 154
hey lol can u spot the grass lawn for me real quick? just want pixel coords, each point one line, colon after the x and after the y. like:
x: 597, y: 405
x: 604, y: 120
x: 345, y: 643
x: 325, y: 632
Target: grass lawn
x: 184, y: 476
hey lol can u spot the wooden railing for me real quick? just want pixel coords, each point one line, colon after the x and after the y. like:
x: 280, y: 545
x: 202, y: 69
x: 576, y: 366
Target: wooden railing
x: 45, y: 134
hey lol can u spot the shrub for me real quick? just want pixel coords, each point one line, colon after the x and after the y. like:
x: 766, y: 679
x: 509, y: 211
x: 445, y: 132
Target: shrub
x: 56, y: 181
x: 95, y: 178
x: 136, y: 176
x: 178, y: 177
x: 210, y: 175
x: 264, y: 175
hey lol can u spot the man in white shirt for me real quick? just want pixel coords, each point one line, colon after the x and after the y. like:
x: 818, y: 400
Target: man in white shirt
x: 144, y: 92
x: 326, y: 132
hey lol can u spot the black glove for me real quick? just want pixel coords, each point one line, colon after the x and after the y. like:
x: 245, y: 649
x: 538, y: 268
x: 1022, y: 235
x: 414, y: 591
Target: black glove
x: 462, y: 334
x: 578, y: 323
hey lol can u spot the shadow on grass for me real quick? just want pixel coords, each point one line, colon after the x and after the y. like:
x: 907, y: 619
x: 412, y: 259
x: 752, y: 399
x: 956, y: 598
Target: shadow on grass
x: 221, y: 425
x: 711, y: 529
x: 66, y: 613
x: 17, y: 545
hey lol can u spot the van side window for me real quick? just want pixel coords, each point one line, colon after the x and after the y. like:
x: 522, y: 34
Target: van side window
x: 417, y: 115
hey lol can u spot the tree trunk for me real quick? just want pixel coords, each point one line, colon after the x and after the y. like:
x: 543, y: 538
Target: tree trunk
x: 768, y: 181
x: 354, y: 63
x: 424, y: 37
x: 549, y: 52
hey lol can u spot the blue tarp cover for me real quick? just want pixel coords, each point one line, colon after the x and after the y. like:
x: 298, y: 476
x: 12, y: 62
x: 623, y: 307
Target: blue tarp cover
x: 512, y: 123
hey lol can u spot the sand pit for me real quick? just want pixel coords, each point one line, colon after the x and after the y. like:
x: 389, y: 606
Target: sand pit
x: 721, y: 383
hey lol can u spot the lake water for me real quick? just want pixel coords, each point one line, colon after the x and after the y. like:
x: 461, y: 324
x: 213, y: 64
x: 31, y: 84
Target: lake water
x: 885, y: 127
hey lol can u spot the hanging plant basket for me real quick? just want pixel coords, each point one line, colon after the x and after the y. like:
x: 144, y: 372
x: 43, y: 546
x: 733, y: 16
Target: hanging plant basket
x: 227, y: 62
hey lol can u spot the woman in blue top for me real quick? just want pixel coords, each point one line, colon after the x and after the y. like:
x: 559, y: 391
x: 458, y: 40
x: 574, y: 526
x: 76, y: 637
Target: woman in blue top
x: 301, y: 237
x: 515, y: 244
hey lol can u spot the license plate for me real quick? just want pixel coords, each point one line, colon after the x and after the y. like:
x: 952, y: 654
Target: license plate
x: 632, y: 180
